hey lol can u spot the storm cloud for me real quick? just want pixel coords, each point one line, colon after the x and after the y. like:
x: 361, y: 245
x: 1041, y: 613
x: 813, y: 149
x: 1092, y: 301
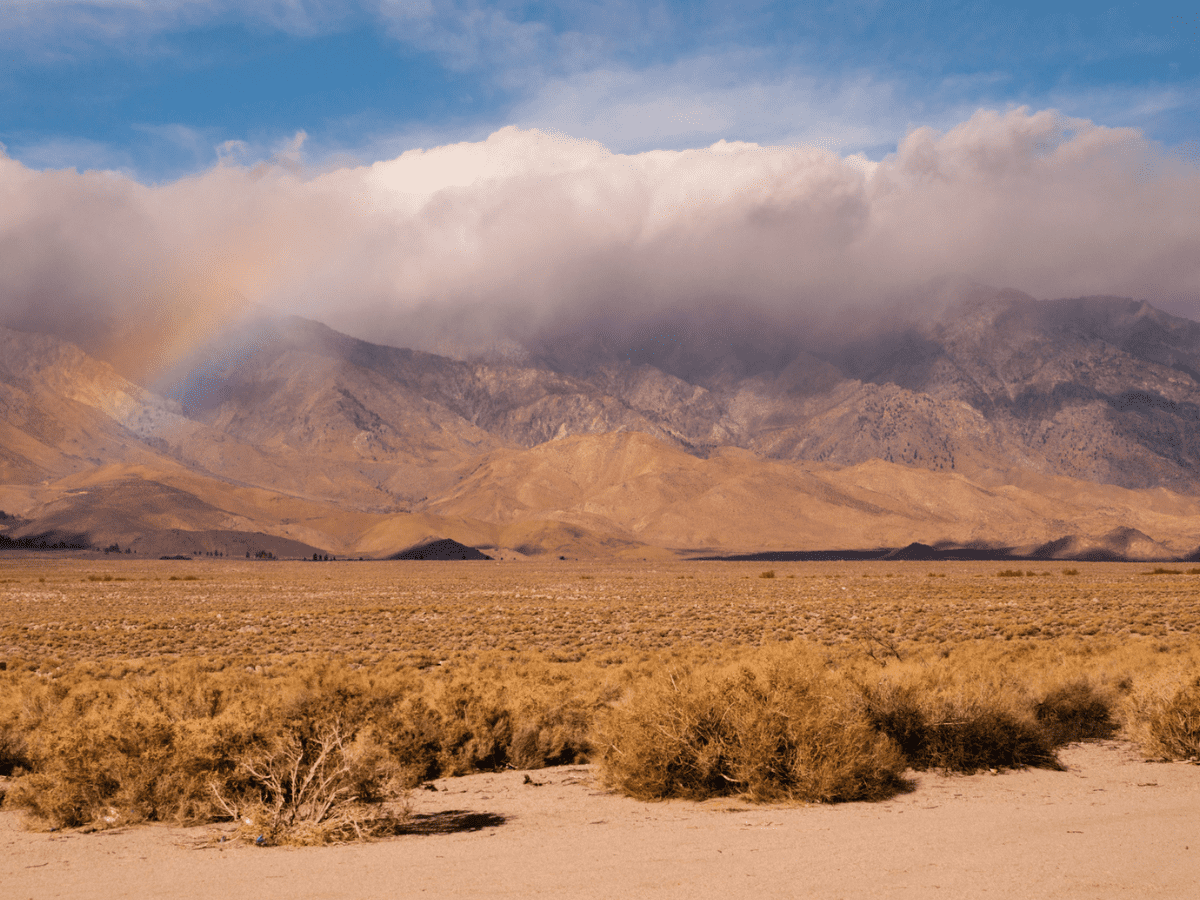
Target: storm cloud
x: 531, y: 233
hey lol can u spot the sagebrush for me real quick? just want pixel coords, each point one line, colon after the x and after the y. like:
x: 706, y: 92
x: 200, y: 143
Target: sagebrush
x: 785, y: 730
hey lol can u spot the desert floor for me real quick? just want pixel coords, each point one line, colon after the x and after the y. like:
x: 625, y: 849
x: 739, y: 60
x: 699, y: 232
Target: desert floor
x: 1109, y: 826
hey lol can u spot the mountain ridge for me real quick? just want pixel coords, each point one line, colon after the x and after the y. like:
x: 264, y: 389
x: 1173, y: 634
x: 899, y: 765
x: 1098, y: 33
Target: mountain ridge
x: 1000, y: 419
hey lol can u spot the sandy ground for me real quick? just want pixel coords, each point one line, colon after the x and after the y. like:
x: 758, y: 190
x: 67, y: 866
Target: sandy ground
x: 1110, y: 826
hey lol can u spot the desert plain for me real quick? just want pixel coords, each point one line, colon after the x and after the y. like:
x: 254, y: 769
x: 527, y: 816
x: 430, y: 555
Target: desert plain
x: 1105, y: 820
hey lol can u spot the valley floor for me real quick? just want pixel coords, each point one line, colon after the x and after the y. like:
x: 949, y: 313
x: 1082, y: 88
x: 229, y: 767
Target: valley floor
x: 57, y: 610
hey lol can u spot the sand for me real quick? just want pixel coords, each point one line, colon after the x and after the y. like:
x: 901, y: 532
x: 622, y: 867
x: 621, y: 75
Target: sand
x: 1109, y: 826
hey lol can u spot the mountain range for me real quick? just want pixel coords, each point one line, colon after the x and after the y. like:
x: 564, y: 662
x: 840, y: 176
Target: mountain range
x: 1062, y: 428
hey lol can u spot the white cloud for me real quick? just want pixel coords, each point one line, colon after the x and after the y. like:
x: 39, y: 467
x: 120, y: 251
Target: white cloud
x: 733, y: 94
x: 530, y: 230
x: 517, y: 48
x: 467, y: 35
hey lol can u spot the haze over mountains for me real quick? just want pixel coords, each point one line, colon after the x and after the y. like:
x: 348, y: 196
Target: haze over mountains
x: 998, y: 420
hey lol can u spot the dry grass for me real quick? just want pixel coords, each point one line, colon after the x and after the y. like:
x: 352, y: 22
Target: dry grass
x: 372, y: 612
x: 301, y: 700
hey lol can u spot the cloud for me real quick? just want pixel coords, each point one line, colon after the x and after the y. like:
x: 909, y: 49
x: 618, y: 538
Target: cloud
x: 702, y: 98
x: 466, y: 35
x: 59, y: 25
x: 530, y: 233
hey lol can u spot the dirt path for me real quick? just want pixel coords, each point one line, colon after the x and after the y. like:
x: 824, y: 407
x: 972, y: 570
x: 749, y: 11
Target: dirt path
x: 1110, y: 826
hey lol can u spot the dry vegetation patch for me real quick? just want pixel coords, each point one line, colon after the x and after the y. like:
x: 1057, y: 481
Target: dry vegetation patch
x: 782, y: 728
x: 302, y: 701
x: 1164, y: 716
x: 181, y: 743
x: 371, y: 612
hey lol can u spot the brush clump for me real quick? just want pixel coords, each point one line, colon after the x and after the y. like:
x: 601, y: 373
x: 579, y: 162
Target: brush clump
x: 784, y: 730
x: 301, y: 761
x: 1164, y: 717
x: 1076, y: 710
x: 960, y: 731
x: 979, y: 711
x: 317, y: 752
x: 307, y: 749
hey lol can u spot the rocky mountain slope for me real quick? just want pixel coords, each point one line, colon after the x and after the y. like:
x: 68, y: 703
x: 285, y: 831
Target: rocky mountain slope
x: 1000, y: 419
x: 1102, y: 389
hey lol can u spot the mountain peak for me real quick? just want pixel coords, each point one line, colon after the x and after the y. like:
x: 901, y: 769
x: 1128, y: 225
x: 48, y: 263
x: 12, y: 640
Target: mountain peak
x: 942, y: 430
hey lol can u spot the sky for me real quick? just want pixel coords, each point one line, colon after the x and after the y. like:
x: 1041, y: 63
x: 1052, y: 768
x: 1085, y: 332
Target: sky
x: 440, y: 173
x: 163, y: 88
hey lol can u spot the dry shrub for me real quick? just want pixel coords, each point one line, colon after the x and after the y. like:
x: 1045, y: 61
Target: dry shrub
x: 193, y: 747
x: 462, y: 731
x: 789, y: 730
x: 672, y: 740
x: 554, y: 708
x: 412, y: 731
x: 899, y: 711
x: 104, y: 771
x: 477, y: 730
x: 109, y: 751
x: 14, y: 754
x: 500, y: 716
x: 955, y: 729
x: 556, y: 736
x: 303, y: 751
x: 315, y: 784
x: 14, y: 750
x: 1076, y: 711
x: 1164, y: 717
x: 321, y: 772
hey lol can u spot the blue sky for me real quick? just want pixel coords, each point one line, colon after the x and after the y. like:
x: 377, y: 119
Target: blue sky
x: 163, y: 89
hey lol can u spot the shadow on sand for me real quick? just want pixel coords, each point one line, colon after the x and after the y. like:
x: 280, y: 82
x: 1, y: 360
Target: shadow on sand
x: 450, y: 821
